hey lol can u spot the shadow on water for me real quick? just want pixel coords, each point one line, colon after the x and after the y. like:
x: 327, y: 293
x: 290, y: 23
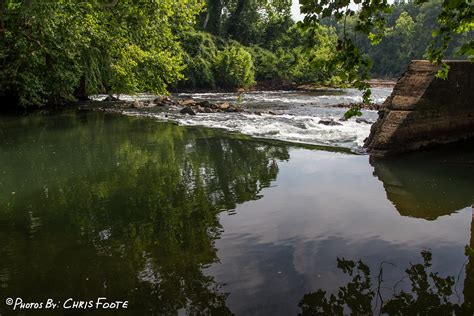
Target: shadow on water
x: 423, y: 185
x: 95, y: 205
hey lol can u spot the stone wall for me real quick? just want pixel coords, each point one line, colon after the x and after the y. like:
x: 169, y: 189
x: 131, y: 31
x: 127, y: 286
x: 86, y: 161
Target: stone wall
x: 424, y: 111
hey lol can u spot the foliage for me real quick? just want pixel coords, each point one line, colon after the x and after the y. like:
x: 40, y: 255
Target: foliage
x: 298, y: 56
x: 357, y: 295
x: 199, y: 59
x: 267, y: 66
x: 234, y: 68
x: 370, y: 20
x: 54, y: 50
x: 353, y: 111
x: 406, y: 36
x: 431, y: 294
x: 257, y: 22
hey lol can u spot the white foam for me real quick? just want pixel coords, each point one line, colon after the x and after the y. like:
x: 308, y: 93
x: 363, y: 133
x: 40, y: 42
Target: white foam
x: 298, y: 119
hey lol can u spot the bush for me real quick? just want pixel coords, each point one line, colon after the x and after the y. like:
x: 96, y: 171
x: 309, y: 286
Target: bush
x: 199, y: 58
x: 234, y: 68
x: 266, y: 64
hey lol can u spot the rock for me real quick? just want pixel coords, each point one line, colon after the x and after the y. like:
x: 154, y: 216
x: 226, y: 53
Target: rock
x: 425, y: 111
x: 329, y: 122
x: 162, y: 98
x: 362, y: 120
x: 125, y: 104
x: 110, y: 98
x: 231, y: 110
x: 224, y: 106
x: 187, y: 110
x: 208, y: 110
x: 137, y: 104
x: 163, y: 101
x: 187, y: 102
x: 205, y: 104
x: 148, y: 104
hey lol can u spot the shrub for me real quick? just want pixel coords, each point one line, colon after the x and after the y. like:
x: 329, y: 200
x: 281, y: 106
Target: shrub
x: 234, y: 68
x: 199, y: 58
x: 266, y: 64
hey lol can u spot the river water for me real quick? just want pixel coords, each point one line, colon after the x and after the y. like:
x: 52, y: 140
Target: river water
x: 192, y: 220
x: 295, y: 117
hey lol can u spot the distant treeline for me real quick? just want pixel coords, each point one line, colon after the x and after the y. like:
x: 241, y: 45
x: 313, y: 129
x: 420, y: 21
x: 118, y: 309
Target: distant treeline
x: 408, y: 34
x: 55, y: 51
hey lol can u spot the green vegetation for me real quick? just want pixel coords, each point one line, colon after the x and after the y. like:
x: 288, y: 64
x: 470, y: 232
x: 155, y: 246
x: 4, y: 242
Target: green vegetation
x: 429, y: 294
x: 59, y: 51
x: 406, y: 36
x: 234, y: 68
x: 406, y: 29
x: 56, y: 51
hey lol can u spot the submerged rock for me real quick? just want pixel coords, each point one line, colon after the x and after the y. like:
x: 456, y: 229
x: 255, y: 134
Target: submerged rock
x: 362, y: 120
x: 187, y: 110
x: 329, y: 122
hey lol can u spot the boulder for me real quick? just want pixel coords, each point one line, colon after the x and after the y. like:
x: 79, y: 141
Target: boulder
x: 424, y: 110
x: 187, y: 102
x: 224, y: 106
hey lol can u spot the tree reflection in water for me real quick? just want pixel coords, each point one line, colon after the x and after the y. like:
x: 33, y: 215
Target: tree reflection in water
x: 422, y: 185
x: 431, y: 294
x: 109, y: 206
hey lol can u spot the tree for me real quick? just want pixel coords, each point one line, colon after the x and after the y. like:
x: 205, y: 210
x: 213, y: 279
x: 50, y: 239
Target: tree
x: 456, y: 16
x: 54, y: 50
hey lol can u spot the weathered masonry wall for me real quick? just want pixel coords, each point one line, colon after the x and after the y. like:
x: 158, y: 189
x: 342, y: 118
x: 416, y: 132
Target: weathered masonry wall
x: 424, y: 111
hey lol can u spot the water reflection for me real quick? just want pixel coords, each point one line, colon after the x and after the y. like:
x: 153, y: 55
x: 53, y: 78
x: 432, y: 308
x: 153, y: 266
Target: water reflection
x: 429, y: 184
x: 430, y: 294
x: 94, y: 205
x: 198, y: 221
x: 424, y: 185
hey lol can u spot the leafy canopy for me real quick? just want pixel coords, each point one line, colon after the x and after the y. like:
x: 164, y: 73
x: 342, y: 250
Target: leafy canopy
x: 55, y: 50
x: 456, y: 16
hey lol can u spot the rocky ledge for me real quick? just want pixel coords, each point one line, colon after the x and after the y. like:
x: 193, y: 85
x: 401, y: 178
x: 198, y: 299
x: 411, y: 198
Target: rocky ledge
x: 185, y: 106
x: 424, y: 110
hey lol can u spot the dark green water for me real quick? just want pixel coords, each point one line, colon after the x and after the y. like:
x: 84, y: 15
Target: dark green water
x: 195, y: 221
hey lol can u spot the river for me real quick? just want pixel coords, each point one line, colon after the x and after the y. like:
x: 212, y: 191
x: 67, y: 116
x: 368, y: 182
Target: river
x: 295, y: 117
x: 187, y: 219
